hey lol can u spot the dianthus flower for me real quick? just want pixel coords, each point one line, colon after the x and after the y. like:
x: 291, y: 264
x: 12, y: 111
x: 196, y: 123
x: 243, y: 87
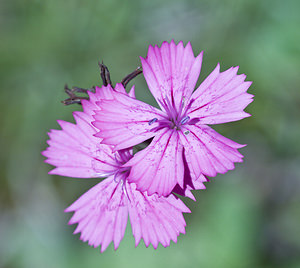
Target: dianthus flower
x: 181, y: 136
x: 102, y: 212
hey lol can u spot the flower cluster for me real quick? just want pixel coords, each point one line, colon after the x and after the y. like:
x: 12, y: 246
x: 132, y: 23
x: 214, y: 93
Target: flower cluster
x: 183, y: 151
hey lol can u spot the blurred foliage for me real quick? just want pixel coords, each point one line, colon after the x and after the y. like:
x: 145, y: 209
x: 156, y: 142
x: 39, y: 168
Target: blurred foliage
x: 246, y: 218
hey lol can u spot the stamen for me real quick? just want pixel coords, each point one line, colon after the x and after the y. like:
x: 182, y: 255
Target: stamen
x: 126, y: 155
x: 172, y: 111
x: 183, y: 101
x: 184, y: 120
x: 116, y: 177
x: 117, y: 159
x: 152, y: 121
x: 181, y: 105
x: 125, y: 191
x: 119, y: 175
x: 167, y: 109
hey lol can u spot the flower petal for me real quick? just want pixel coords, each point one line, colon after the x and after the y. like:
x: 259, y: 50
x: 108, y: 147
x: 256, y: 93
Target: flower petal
x: 101, y: 214
x: 159, y: 167
x: 124, y: 122
x: 102, y: 93
x: 75, y: 150
x: 155, y: 219
x: 207, y: 152
x: 171, y: 72
x: 131, y: 93
x: 188, y: 183
x: 221, y: 97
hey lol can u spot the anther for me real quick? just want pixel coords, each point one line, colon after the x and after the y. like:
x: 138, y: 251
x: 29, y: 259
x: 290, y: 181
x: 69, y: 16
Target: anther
x: 152, y: 121
x: 186, y: 132
x: 184, y: 120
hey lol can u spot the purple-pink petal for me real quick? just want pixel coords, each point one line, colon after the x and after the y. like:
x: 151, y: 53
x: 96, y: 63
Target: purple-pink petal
x: 189, y: 183
x: 221, y: 97
x: 155, y: 219
x: 101, y: 214
x: 159, y: 167
x: 124, y: 122
x: 77, y: 153
x: 207, y: 152
x: 171, y: 72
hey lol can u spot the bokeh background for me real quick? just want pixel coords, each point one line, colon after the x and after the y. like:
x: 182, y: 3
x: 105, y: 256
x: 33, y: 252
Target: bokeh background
x: 246, y: 218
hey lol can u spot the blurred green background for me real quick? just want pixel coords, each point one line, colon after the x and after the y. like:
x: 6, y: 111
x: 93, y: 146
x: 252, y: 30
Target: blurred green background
x: 246, y: 218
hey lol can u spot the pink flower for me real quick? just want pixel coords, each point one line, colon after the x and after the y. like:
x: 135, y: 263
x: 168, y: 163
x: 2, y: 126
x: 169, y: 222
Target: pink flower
x: 102, y: 212
x: 182, y: 138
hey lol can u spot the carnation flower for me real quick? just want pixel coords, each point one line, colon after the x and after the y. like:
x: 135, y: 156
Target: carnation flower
x: 102, y: 212
x: 181, y: 136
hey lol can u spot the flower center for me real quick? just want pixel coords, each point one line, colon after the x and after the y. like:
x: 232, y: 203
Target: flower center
x: 175, y: 119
